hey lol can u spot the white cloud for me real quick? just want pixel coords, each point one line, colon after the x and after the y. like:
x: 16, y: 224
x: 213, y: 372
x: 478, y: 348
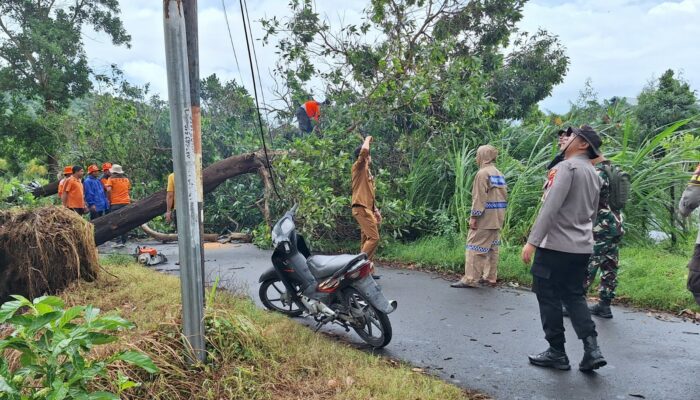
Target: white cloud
x: 619, y: 44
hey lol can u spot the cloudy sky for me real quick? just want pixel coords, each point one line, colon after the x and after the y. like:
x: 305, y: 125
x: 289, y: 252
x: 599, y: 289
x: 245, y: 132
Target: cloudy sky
x: 619, y: 44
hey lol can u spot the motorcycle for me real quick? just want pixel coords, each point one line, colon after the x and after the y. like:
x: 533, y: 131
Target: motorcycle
x: 332, y: 289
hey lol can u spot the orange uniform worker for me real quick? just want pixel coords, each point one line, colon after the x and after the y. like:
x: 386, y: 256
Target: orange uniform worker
x: 118, y: 188
x: 73, y: 196
x: 103, y: 178
x: 67, y: 172
x: 307, y: 111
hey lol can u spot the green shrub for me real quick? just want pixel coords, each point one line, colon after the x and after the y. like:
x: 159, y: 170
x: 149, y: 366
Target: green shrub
x: 53, y: 344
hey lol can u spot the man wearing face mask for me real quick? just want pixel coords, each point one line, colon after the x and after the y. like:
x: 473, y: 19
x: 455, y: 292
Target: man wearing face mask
x: 489, y: 202
x: 561, y: 242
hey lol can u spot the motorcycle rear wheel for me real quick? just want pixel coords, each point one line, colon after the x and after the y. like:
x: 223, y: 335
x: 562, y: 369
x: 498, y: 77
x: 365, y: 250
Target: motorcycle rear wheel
x: 275, y: 297
x: 374, y: 326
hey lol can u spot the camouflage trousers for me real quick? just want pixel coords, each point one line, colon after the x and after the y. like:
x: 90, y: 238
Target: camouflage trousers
x: 605, y: 257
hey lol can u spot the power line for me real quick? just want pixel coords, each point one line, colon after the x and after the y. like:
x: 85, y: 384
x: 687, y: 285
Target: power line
x: 257, y: 103
x: 230, y: 37
x: 257, y: 68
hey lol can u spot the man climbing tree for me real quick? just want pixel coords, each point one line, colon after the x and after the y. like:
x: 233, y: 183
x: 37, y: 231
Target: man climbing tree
x: 307, y: 111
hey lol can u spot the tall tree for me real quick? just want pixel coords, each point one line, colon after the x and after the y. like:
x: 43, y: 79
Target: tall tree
x: 403, y: 49
x: 666, y: 101
x: 42, y: 53
x: 42, y: 48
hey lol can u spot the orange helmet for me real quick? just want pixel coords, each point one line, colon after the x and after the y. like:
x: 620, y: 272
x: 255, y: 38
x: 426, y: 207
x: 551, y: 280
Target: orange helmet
x: 93, y: 168
x: 68, y: 170
x: 106, y: 166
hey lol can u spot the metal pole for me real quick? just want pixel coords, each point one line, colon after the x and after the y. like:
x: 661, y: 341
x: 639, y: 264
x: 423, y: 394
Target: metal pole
x: 189, y: 241
x: 192, y: 29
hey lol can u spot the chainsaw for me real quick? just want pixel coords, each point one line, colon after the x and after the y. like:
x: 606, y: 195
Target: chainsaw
x: 149, y: 256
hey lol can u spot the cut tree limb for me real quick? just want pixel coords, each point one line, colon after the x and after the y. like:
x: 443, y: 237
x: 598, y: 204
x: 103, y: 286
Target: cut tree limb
x: 172, y: 237
x: 208, y: 237
x: 46, y: 190
x: 138, y: 213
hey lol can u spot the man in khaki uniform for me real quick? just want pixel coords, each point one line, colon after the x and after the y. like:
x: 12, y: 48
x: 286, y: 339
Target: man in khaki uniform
x: 364, y: 208
x: 489, y: 201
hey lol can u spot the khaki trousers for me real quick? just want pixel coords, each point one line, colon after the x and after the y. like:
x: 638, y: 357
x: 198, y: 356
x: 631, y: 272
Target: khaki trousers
x: 481, y: 256
x: 369, y: 228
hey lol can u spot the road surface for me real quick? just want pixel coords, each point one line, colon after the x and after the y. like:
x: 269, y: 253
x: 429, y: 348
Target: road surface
x: 480, y: 338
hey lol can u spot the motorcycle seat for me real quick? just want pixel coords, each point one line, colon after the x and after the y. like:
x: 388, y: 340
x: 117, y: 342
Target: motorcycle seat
x: 325, y: 266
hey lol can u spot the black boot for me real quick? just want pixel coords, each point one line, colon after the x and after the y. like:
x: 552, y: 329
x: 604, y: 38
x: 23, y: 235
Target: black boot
x: 551, y: 358
x: 592, y: 357
x: 602, y: 309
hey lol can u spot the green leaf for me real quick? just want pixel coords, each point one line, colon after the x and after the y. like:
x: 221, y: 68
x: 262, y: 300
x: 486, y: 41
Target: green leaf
x: 100, y: 338
x: 42, y: 320
x: 52, y: 301
x: 9, y: 309
x: 138, y: 359
x: 21, y: 299
x: 111, y: 322
x: 91, y: 313
x: 69, y: 315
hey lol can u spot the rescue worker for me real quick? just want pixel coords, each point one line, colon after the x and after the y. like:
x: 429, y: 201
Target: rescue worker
x: 67, y: 172
x: 489, y: 202
x: 307, y: 111
x: 561, y: 241
x: 607, y: 233
x: 103, y: 178
x: 73, y: 195
x: 689, y: 202
x: 95, y: 197
x: 364, y: 207
x: 118, y: 188
x: 170, y: 215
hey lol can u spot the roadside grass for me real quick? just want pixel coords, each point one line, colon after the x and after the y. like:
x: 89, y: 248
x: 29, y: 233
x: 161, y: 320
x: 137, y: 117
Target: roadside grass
x: 254, y: 354
x: 649, y: 277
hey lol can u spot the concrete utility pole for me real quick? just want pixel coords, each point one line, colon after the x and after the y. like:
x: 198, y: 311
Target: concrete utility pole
x: 192, y: 30
x: 186, y: 195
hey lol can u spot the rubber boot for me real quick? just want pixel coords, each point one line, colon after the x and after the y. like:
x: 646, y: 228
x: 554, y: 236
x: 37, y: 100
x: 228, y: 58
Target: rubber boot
x: 592, y: 357
x: 601, y: 309
x: 551, y: 358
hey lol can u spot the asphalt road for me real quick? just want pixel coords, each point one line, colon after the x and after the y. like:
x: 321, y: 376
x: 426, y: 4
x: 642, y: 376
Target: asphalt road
x: 479, y: 338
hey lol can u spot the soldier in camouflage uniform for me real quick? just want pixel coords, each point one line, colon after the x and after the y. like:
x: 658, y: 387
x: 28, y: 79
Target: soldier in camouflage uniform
x: 607, y: 233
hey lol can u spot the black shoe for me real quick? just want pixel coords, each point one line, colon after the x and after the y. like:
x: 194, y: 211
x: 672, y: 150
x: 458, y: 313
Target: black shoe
x: 564, y: 311
x: 601, y: 309
x: 376, y: 277
x: 551, y: 358
x: 592, y: 357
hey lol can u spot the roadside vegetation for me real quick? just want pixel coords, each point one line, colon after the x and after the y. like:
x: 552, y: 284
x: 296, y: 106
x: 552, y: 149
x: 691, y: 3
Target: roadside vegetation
x: 429, y: 81
x: 650, y: 276
x: 254, y: 354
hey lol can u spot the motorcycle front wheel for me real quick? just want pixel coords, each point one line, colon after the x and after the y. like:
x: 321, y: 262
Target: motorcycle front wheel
x: 371, y: 325
x: 275, y: 297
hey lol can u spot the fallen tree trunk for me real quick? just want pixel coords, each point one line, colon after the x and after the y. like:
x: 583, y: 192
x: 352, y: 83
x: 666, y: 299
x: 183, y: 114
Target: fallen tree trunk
x: 138, y: 213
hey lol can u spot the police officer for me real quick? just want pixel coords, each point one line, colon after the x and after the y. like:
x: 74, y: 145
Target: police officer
x: 561, y: 241
x: 607, y: 233
x: 689, y: 202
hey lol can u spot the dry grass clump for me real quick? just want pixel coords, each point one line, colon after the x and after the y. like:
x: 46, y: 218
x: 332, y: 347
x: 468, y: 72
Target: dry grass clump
x: 253, y: 354
x: 43, y: 250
